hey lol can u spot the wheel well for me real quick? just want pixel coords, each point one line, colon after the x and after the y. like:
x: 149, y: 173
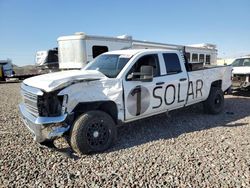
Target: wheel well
x: 107, y: 106
x: 217, y: 83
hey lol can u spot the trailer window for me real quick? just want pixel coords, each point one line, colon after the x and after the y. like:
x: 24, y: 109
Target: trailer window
x: 207, y: 59
x: 187, y: 55
x: 97, y: 50
x: 201, y: 58
x: 52, y: 56
x: 172, y: 63
x: 194, y: 57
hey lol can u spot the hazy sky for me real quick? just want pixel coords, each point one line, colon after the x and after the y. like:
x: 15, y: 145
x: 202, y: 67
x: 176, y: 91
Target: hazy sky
x: 27, y: 26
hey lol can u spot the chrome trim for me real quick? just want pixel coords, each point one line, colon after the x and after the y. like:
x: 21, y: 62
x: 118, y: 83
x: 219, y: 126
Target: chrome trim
x: 32, y: 90
x: 49, y: 120
x: 30, y: 101
x: 40, y: 120
x: 43, y: 128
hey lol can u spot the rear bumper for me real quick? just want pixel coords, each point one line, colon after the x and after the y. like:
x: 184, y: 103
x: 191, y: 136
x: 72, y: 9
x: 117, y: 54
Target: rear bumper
x: 44, y: 128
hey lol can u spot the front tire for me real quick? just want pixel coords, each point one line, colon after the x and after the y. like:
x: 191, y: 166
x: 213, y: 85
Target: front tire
x: 92, y: 132
x: 215, y: 101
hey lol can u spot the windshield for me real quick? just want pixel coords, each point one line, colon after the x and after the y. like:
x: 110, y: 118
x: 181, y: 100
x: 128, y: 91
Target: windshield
x: 110, y: 65
x: 241, y: 62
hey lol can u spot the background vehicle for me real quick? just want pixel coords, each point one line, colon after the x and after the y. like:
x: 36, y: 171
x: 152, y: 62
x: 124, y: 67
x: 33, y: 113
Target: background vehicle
x: 75, y: 51
x: 10, y: 72
x: 117, y: 87
x: 47, y: 59
x: 6, y: 69
x: 241, y: 73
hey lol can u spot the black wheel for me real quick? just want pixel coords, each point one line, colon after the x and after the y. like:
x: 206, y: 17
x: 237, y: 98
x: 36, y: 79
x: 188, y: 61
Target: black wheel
x: 215, y: 101
x: 93, y: 131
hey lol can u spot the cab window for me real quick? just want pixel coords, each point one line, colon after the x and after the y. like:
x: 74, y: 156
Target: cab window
x: 108, y: 64
x: 241, y: 62
x: 151, y: 60
x: 172, y: 63
x: 246, y: 62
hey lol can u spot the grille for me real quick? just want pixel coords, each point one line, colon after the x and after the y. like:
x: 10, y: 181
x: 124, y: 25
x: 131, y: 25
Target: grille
x: 30, y: 101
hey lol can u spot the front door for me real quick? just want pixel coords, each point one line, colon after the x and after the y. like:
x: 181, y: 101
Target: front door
x: 137, y: 94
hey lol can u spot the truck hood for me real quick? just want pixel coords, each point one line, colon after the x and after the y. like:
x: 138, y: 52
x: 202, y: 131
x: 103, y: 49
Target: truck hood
x: 53, y: 81
x: 241, y: 70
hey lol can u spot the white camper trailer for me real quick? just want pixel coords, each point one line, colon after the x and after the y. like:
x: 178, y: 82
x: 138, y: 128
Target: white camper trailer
x: 75, y: 51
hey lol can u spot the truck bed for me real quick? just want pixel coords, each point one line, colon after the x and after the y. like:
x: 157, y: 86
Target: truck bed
x: 200, y: 66
x: 211, y: 73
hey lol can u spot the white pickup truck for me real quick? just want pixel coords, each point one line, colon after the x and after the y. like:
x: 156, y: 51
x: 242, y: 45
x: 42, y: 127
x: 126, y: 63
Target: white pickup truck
x: 241, y: 73
x: 115, y: 88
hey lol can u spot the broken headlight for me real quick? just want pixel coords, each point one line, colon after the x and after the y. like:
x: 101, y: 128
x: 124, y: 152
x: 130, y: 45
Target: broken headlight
x: 50, y: 104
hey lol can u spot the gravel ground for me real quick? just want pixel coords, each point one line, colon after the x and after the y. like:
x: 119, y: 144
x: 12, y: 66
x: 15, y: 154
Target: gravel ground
x: 186, y: 148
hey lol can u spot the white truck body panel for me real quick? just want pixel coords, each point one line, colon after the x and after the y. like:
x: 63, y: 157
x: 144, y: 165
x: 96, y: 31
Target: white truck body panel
x: 208, y: 76
x: 100, y: 90
x: 241, y: 70
x: 54, y: 81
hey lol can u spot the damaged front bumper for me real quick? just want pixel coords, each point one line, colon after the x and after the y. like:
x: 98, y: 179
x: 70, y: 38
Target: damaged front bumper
x: 241, y: 81
x: 44, y: 128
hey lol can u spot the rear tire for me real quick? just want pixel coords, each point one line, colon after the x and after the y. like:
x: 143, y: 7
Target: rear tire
x: 92, y: 132
x: 215, y: 101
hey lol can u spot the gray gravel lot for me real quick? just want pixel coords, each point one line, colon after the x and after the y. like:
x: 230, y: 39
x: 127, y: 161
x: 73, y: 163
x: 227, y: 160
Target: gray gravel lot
x: 186, y: 148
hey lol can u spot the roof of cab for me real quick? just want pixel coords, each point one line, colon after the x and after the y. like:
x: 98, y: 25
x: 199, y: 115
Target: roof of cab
x: 136, y: 51
x: 243, y: 57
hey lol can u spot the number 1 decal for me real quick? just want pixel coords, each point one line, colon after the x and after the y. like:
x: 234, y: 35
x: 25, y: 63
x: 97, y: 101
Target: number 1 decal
x: 138, y: 100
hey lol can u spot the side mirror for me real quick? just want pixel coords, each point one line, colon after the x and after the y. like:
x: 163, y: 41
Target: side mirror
x: 145, y: 74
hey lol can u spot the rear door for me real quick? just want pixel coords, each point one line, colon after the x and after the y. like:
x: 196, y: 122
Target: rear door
x: 175, y: 84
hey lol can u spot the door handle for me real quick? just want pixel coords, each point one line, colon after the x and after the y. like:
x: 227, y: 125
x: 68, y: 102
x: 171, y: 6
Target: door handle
x: 183, y: 79
x: 160, y: 83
